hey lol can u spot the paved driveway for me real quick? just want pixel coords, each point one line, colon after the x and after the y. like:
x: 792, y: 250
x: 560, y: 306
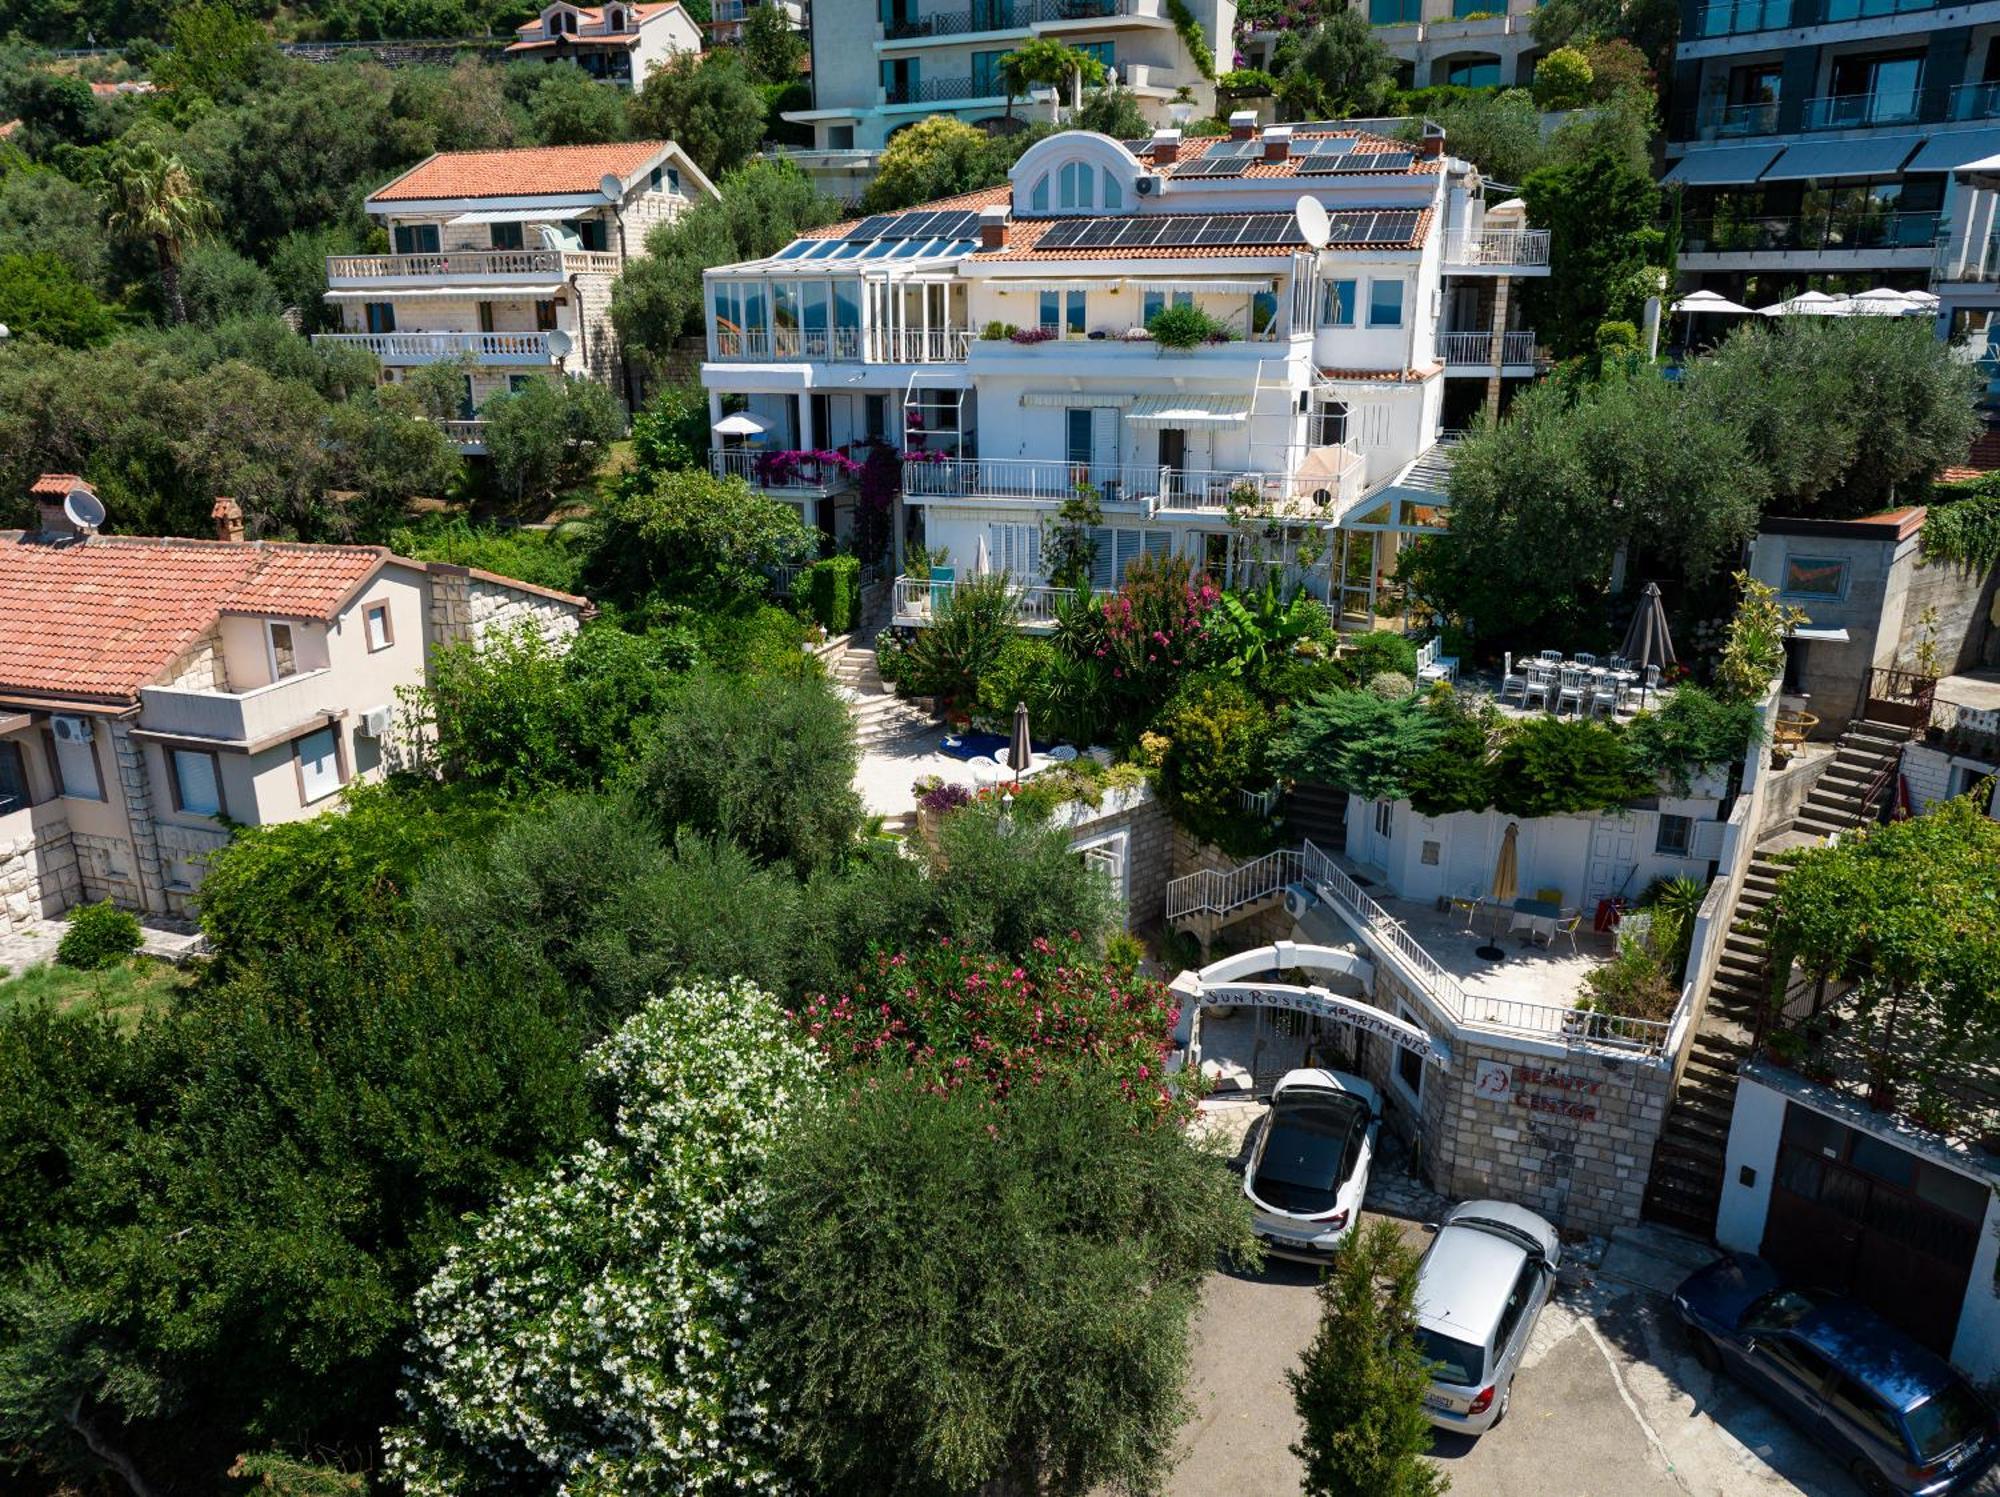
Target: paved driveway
x: 1607, y: 1404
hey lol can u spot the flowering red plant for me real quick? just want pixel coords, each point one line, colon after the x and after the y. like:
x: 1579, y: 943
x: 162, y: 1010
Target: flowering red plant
x: 1154, y: 627
x: 955, y: 1017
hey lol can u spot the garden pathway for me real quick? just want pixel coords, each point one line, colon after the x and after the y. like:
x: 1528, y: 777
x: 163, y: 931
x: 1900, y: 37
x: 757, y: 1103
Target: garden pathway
x: 34, y: 944
x: 898, y: 740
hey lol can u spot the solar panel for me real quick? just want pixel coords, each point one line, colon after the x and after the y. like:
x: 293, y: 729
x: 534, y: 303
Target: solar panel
x: 1222, y: 150
x: 1138, y: 147
x: 1350, y: 228
x: 1379, y: 161
x: 1265, y: 228
x: 1182, y: 229
x: 1217, y: 231
x: 1140, y: 232
x: 869, y: 228
x: 1211, y: 166
x: 956, y: 225
x: 913, y: 226
x: 1324, y: 145
x: 1396, y: 228
x: 1062, y: 234
x: 1099, y: 233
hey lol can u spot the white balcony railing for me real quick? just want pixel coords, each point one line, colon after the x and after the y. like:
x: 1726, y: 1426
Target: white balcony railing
x: 837, y: 345
x: 1202, y: 490
x: 469, y: 432
x: 1476, y: 348
x: 804, y: 478
x: 472, y: 265
x: 918, y: 346
x: 237, y: 716
x: 919, y: 600
x: 429, y: 348
x: 1498, y: 248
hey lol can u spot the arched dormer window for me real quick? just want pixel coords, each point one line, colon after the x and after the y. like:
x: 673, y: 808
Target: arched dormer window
x: 614, y: 20
x: 1076, y: 186
x: 1076, y: 171
x: 1038, y: 200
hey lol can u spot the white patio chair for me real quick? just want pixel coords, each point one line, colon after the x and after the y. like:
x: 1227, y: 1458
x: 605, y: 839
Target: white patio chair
x: 1541, y: 688
x: 1584, y: 658
x: 1554, y: 657
x: 1512, y: 681
x: 1604, y: 695
x: 1573, y: 686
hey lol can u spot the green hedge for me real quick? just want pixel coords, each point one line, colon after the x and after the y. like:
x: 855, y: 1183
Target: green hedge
x: 833, y: 593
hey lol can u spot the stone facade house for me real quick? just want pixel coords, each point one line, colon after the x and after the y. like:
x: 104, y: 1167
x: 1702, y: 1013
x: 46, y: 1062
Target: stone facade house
x: 155, y: 689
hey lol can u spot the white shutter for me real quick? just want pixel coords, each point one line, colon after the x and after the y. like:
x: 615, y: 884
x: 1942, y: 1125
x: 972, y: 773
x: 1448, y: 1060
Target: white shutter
x: 1707, y: 840
x: 1103, y: 566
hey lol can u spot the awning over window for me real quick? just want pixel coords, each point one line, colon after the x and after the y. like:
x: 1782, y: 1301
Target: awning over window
x: 1191, y: 412
x: 513, y: 216
x: 1106, y: 284
x: 1237, y: 286
x: 1722, y: 166
x: 1075, y: 398
x: 511, y: 291
x: 1869, y: 156
x: 1941, y: 153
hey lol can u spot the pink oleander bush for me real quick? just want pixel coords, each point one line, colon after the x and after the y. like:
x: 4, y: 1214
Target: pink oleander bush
x: 957, y: 1018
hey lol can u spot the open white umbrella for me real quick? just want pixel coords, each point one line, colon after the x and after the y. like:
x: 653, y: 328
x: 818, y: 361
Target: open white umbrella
x: 742, y: 424
x: 1880, y: 302
x: 1806, y: 304
x: 1709, y: 301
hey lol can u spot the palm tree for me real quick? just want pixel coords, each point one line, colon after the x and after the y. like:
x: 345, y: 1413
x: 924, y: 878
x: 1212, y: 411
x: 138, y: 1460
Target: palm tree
x: 150, y: 195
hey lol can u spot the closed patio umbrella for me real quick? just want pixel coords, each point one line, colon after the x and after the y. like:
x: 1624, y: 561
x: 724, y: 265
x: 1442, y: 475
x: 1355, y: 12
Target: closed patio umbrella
x: 1019, y: 750
x: 1647, y: 641
x: 982, y: 559
x: 1506, y: 884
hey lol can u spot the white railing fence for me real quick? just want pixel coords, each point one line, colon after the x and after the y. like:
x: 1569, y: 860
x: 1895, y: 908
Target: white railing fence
x: 1498, y: 247
x: 427, y: 347
x: 804, y: 476
x: 472, y: 263
x: 919, y: 600
x: 1217, y: 891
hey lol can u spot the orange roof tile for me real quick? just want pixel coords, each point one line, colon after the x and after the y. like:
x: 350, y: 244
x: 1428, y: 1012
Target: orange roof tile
x: 531, y: 172
x: 57, y: 485
x: 305, y: 582
x: 1382, y: 376
x: 645, y: 13
x: 1195, y: 147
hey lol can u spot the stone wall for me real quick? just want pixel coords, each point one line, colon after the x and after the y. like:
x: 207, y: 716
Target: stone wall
x: 183, y: 850
x: 105, y: 869
x: 1787, y: 789
x: 1964, y: 600
x: 38, y: 875
x: 493, y: 606
x: 138, y: 790
x: 602, y: 354
x: 1149, y: 839
x: 200, y: 666
x: 1192, y: 855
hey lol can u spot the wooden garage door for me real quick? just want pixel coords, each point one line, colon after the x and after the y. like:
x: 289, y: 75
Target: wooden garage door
x: 1855, y: 1214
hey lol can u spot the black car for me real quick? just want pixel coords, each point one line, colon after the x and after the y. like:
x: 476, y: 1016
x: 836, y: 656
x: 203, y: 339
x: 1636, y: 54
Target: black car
x: 1904, y: 1420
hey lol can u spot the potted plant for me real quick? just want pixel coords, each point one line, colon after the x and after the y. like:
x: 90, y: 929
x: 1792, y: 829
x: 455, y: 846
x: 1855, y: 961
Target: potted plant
x: 1182, y: 326
x: 1881, y: 1081
x: 1785, y: 1047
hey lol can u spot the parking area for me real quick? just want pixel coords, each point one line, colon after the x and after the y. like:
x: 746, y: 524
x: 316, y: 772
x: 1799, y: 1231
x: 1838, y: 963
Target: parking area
x: 1608, y: 1402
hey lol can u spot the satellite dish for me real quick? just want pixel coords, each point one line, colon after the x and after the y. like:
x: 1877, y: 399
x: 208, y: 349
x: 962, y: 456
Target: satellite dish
x: 1313, y: 222
x: 612, y: 186
x: 84, y: 509
x: 561, y: 344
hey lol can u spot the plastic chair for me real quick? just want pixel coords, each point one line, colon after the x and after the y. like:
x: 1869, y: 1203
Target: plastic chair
x: 1512, y: 681
x: 1571, y: 690
x: 1540, y: 686
x: 1553, y: 657
x: 1584, y: 659
x: 1567, y: 926
x: 1604, y: 694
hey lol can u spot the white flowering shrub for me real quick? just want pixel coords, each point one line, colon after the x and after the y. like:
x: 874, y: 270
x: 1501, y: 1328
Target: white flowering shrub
x: 590, y: 1336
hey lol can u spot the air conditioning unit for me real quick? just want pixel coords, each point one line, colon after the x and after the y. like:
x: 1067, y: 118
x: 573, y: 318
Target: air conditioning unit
x: 1299, y: 899
x: 375, y: 722
x: 69, y: 729
x: 1148, y: 185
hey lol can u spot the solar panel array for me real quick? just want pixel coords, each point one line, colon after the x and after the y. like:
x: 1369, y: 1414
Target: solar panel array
x: 1356, y: 161
x: 1350, y: 227
x: 951, y: 223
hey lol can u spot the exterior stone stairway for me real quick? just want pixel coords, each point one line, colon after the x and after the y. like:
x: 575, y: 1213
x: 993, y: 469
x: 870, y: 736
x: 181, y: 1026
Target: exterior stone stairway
x: 1315, y: 813
x: 1685, y: 1185
x: 1211, y: 900
x: 880, y: 716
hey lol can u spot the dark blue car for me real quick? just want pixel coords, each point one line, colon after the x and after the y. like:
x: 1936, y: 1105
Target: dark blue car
x: 1903, y: 1420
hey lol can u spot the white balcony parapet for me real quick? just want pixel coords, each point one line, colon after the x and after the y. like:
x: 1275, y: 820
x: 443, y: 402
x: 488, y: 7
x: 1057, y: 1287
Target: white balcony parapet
x: 469, y: 265
x: 1322, y: 487
x: 920, y: 600
x: 237, y: 717
x: 429, y: 348
x: 760, y: 345
x: 1517, y: 347
x: 804, y: 478
x: 1498, y: 249
x: 469, y: 434
x: 919, y: 345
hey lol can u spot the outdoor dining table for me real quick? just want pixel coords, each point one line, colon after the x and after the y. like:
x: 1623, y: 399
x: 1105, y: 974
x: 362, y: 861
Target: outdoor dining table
x: 1536, y: 916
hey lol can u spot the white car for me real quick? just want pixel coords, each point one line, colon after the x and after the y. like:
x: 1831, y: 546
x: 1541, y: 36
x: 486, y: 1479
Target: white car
x: 1309, y: 1170
x: 1481, y: 1285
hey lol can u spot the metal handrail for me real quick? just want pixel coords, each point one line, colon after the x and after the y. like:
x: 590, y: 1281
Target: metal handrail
x: 1217, y: 891
x: 472, y: 262
x: 1498, y: 247
x: 919, y: 600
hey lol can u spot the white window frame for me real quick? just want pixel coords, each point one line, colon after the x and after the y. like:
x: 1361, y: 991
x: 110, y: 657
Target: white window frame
x: 1402, y: 297
x: 1396, y: 1053
x: 1660, y: 848
x: 368, y: 617
x: 1385, y: 819
x: 271, y: 626
x: 1112, y: 853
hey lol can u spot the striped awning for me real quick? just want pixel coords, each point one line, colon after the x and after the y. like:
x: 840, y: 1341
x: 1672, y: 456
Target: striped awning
x: 1075, y: 398
x: 1191, y: 412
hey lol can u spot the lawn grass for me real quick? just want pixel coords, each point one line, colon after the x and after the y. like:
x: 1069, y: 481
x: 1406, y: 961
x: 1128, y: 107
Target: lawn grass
x: 125, y: 993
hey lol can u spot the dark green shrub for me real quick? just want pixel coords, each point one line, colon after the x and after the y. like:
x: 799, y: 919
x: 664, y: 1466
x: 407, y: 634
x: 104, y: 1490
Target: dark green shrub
x: 833, y: 588
x: 963, y: 642
x: 1692, y: 731
x: 1216, y: 732
x: 1184, y: 325
x: 99, y: 936
x: 1549, y: 766
x: 1366, y: 656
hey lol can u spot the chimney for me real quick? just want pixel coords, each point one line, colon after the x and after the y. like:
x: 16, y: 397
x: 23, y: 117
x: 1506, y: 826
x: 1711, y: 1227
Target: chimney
x: 228, y: 517
x: 1166, y: 147
x: 1277, y: 142
x: 1243, y: 124
x: 51, y: 493
x: 1433, y: 145
x: 993, y: 227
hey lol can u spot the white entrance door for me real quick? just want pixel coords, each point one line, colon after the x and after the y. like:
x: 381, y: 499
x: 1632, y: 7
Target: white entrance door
x: 1614, y: 842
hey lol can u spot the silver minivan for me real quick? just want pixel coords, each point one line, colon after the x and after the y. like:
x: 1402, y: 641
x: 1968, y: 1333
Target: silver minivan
x: 1481, y: 1286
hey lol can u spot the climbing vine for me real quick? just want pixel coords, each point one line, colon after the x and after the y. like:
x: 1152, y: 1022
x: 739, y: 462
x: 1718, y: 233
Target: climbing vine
x: 1188, y: 29
x: 1967, y: 531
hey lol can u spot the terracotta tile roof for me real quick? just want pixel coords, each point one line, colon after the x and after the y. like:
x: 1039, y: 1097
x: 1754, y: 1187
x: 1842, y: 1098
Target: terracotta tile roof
x: 984, y: 197
x: 305, y: 582
x: 533, y: 172
x: 595, y: 14
x: 1382, y: 376
x: 56, y: 485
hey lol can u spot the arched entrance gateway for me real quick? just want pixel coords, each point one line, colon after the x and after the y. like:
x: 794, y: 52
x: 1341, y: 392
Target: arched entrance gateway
x: 1245, y: 1034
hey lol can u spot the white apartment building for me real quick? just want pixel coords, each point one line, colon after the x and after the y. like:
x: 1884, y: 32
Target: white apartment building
x: 874, y: 74
x: 999, y: 341
x: 1469, y: 43
x: 618, y: 43
x: 726, y: 17
x: 506, y: 259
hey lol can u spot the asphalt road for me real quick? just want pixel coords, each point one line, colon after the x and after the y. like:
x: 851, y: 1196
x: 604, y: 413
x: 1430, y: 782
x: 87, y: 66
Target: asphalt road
x: 1608, y: 1404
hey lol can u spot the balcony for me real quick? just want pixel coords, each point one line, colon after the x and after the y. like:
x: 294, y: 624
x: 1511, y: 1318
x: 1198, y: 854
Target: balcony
x: 943, y: 90
x: 1818, y: 234
x: 920, y: 600
x: 482, y: 267
x: 430, y: 348
x: 1011, y: 15
x: 1320, y: 490
x: 1474, y: 349
x: 1736, y: 121
x: 801, y: 479
x: 1857, y: 111
x: 1976, y: 262
x: 1734, y: 17
x: 764, y: 345
x: 238, y: 717
x: 1975, y: 101
x: 1497, y: 252
x: 469, y: 435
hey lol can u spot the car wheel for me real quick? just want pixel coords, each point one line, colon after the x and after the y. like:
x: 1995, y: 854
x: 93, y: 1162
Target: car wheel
x: 1704, y: 1349
x: 1506, y: 1398
x: 1870, y: 1480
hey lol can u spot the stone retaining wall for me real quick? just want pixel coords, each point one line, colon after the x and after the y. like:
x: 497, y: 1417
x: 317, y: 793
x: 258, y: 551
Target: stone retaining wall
x: 1149, y: 839
x: 39, y: 877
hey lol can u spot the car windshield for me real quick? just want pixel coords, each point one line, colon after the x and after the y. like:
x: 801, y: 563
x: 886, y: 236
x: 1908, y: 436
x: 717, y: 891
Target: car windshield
x: 1303, y: 1162
x: 1459, y: 1363
x: 1779, y: 1310
x: 1947, y: 1418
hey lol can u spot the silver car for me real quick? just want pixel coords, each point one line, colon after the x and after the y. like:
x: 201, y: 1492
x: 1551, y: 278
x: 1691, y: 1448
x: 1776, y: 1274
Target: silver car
x: 1481, y: 1285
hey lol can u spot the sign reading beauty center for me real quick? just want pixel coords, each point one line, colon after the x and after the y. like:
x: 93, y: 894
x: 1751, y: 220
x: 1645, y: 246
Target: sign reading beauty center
x: 1363, y: 1016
